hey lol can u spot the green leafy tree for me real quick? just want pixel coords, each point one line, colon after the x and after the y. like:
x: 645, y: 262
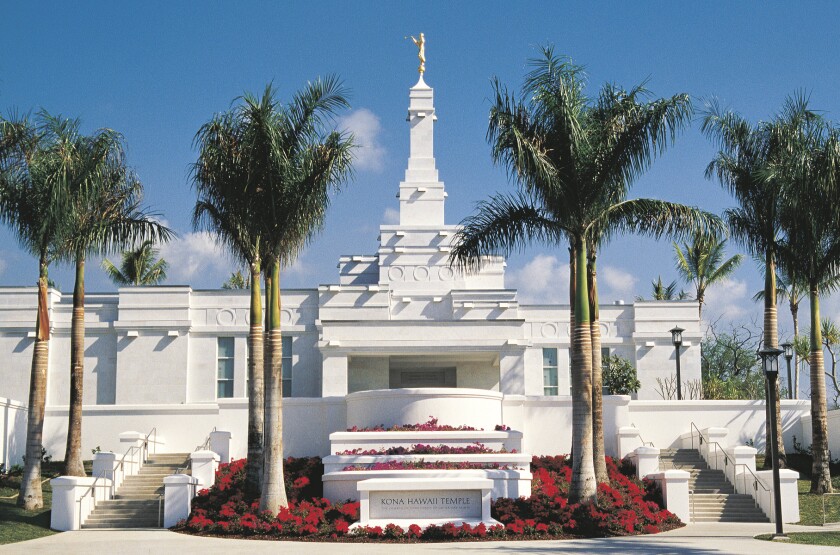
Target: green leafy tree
x: 620, y: 376
x: 831, y: 341
x: 662, y: 292
x: 729, y: 366
x: 140, y: 266
x: 702, y: 264
x: 237, y: 280
x: 265, y: 175
x: 574, y: 160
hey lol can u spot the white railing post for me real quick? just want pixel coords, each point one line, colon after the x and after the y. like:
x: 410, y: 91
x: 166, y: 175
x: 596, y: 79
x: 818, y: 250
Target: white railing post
x: 178, y: 493
x: 204, y: 465
x: 105, y: 465
x: 628, y: 439
x: 70, y: 503
x: 647, y: 460
x: 134, y: 461
x: 711, y: 450
x: 220, y: 444
x: 789, y: 494
x: 744, y: 458
x: 675, y: 493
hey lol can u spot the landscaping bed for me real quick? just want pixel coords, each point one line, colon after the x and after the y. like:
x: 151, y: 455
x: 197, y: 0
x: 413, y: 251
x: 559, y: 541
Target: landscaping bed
x: 626, y: 506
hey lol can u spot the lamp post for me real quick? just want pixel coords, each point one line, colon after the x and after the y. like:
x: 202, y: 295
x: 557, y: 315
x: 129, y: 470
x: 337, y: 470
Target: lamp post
x: 788, y: 348
x: 770, y: 364
x: 676, y: 339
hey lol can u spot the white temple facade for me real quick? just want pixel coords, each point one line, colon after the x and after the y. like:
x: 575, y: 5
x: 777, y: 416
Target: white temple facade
x: 401, y: 319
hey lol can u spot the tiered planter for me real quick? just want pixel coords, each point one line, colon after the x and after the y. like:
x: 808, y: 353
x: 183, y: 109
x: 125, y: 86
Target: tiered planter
x: 515, y: 481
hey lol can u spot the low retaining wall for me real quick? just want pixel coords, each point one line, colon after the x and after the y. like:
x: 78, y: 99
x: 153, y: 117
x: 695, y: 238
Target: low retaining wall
x: 340, y: 486
x: 336, y: 463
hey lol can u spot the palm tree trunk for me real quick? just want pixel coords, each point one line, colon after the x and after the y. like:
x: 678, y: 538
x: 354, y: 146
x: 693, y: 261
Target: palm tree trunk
x: 73, y: 454
x: 256, y: 392
x: 771, y: 340
x: 31, y: 496
x: 572, y: 293
x: 584, y: 485
x: 274, y: 490
x: 598, y: 454
x: 820, y: 477
x: 794, y: 313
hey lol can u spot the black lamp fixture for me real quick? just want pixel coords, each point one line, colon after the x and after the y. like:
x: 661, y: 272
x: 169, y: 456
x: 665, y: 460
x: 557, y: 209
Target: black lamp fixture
x: 788, y: 349
x: 676, y: 339
x: 770, y: 365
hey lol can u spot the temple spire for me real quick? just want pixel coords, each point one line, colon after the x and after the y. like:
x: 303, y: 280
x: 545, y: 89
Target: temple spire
x: 421, y: 194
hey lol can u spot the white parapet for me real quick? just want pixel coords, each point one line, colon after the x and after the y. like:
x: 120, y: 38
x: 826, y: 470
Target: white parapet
x: 789, y: 494
x: 105, y: 464
x: 204, y: 465
x: 220, y: 444
x: 510, y: 441
x: 514, y: 461
x: 674, y: 484
x: 424, y: 501
x: 73, y: 499
x: 178, y: 493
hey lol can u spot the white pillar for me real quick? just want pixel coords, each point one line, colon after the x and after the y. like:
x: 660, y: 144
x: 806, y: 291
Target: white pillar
x: 789, y: 494
x: 616, y: 414
x: 220, y: 444
x: 628, y: 439
x: 711, y: 449
x: 674, y: 484
x: 105, y: 464
x: 134, y: 460
x: 68, y: 513
x: 204, y: 465
x: 744, y: 456
x: 334, y: 375
x: 178, y: 492
x: 647, y: 460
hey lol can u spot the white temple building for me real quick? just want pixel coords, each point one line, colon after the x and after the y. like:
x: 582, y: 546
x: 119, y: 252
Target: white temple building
x: 400, y: 336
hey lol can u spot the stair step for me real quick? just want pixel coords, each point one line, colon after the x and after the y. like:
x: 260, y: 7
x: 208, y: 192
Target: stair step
x: 127, y: 525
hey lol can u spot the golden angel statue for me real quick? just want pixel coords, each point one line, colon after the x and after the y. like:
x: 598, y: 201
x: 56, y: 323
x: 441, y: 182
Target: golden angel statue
x: 421, y: 52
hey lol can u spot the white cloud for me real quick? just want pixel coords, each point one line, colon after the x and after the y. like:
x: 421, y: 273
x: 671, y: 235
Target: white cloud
x: 365, y: 126
x: 391, y: 216
x: 196, y: 257
x: 617, y: 282
x: 542, y: 280
x: 728, y: 299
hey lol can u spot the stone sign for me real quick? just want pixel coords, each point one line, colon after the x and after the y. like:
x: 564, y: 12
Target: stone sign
x: 434, y: 504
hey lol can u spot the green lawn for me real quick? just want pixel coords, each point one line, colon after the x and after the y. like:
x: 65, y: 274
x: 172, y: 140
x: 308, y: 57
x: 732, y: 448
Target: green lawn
x: 17, y: 525
x: 811, y: 506
x: 809, y: 538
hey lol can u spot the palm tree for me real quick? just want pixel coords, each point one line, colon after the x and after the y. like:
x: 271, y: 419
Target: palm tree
x: 139, y: 266
x: 33, y: 201
x: 265, y: 175
x: 229, y: 205
x: 105, y: 213
x: 701, y: 263
x: 662, y: 292
x: 237, y: 280
x: 810, y: 220
x: 574, y: 161
x: 744, y: 152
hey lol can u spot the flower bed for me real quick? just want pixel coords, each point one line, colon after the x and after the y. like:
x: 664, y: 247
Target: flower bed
x: 420, y: 449
x: 429, y: 426
x: 426, y: 465
x: 625, y: 506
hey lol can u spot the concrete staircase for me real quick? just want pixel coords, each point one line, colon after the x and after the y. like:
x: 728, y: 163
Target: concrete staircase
x: 137, y: 502
x: 713, y: 498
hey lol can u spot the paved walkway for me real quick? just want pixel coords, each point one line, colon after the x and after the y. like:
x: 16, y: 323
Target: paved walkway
x: 696, y: 539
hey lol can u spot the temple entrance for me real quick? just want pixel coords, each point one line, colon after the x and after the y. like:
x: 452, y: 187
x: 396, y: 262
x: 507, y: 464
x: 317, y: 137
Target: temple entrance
x: 422, y: 377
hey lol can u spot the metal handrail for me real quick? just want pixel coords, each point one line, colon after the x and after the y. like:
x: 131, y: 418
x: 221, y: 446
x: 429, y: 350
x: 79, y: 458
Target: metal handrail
x: 639, y: 435
x: 823, y: 504
x: 200, y: 447
x: 726, y: 461
x: 146, y: 442
x: 91, y: 491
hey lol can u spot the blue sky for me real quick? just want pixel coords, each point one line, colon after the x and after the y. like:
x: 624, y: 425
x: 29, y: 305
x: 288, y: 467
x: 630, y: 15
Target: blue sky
x: 156, y: 71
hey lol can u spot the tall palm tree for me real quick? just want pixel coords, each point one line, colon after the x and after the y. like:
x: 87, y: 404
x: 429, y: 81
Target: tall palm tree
x: 810, y: 220
x: 701, y: 263
x: 574, y: 160
x: 265, y: 176
x: 229, y: 178
x: 744, y: 152
x: 105, y: 213
x: 139, y: 266
x: 34, y: 202
x: 662, y: 292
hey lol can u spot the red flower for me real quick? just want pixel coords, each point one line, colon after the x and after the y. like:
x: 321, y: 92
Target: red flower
x: 341, y: 526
